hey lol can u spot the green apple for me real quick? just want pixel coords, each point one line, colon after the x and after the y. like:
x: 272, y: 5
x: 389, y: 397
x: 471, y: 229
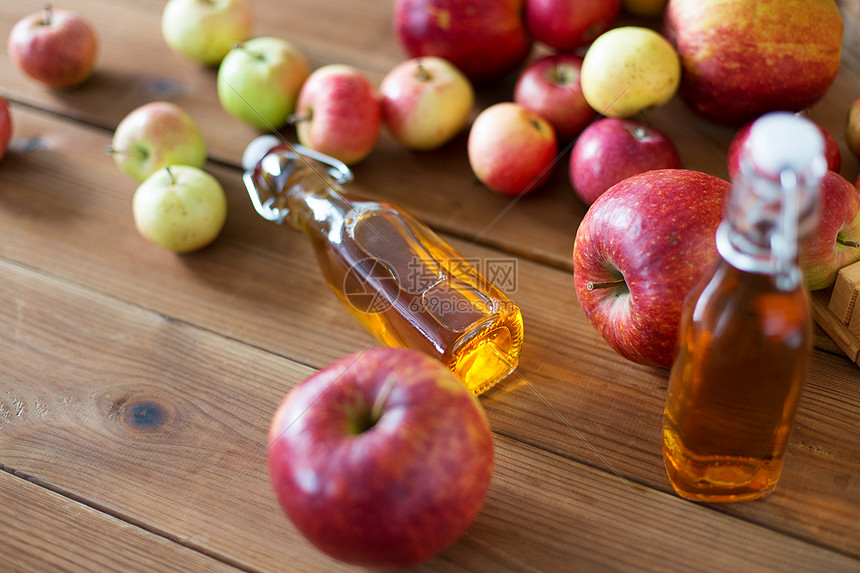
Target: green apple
x: 156, y: 134
x: 259, y: 81
x: 629, y: 69
x: 180, y: 208
x: 205, y: 30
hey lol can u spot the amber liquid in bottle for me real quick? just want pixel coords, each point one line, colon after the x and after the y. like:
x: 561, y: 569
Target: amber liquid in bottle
x: 731, y: 404
x: 745, y: 334
x: 402, y: 282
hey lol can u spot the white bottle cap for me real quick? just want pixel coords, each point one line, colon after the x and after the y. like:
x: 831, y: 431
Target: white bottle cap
x: 780, y: 141
x: 257, y: 149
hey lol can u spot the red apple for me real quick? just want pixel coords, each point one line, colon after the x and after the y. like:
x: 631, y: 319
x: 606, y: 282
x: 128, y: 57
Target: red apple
x: 511, y: 150
x: 611, y: 150
x: 338, y: 113
x: 852, y: 128
x: 549, y: 87
x: 639, y: 249
x: 5, y: 126
x: 55, y: 47
x: 568, y: 24
x: 426, y: 102
x: 831, y: 150
x: 485, y: 39
x: 742, y: 58
x: 835, y: 242
x: 381, y: 459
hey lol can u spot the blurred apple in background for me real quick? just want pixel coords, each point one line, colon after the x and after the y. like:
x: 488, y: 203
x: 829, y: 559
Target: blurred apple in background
x: 831, y: 149
x: 564, y: 25
x: 426, y: 102
x: 55, y: 47
x: 629, y: 69
x: 743, y: 58
x: 852, y: 128
x: 639, y: 249
x: 5, y: 126
x: 835, y: 242
x: 180, y: 208
x: 511, y: 150
x: 549, y: 86
x: 155, y: 135
x: 612, y: 150
x: 338, y: 113
x: 205, y: 30
x: 381, y: 459
x: 259, y: 80
x: 485, y: 39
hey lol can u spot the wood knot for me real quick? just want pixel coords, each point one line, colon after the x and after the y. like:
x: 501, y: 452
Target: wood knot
x: 144, y: 415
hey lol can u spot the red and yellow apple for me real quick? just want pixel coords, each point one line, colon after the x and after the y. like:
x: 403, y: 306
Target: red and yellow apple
x: 564, y: 25
x: 511, y: 150
x: 743, y: 58
x: 639, y: 249
x: 55, y: 47
x: 381, y: 459
x: 485, y: 39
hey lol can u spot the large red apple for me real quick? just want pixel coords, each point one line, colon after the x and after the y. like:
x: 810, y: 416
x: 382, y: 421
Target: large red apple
x: 831, y: 150
x: 611, y: 150
x: 5, y: 126
x: 639, y: 249
x: 835, y: 242
x: 743, y: 58
x: 485, y: 39
x: 550, y: 87
x: 55, y: 47
x: 565, y: 25
x: 381, y: 459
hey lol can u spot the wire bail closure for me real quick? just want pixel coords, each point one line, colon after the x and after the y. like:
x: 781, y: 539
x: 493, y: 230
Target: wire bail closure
x: 273, y: 167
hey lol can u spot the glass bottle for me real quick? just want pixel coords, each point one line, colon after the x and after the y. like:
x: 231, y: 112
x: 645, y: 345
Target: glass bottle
x: 397, y: 277
x: 745, y: 335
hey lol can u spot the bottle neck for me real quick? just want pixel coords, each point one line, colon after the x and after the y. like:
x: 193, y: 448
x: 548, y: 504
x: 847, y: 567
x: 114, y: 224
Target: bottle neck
x: 314, y: 201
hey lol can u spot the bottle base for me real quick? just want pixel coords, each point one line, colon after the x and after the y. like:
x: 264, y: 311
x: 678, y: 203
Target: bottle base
x: 718, y: 479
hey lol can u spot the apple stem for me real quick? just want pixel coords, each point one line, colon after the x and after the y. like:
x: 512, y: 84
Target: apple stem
x: 376, y: 410
x: 421, y: 74
x: 48, y: 14
x: 847, y: 243
x: 608, y: 284
x: 114, y: 150
x: 170, y: 174
x: 257, y: 55
x: 561, y: 74
x: 296, y: 118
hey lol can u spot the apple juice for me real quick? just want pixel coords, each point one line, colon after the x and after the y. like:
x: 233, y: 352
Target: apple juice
x: 397, y: 277
x: 745, y: 334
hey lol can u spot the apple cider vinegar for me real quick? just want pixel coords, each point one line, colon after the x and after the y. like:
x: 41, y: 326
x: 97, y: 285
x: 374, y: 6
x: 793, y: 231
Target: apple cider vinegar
x: 398, y: 278
x: 745, y: 335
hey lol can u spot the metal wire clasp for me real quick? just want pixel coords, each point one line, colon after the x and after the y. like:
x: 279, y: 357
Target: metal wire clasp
x: 265, y: 178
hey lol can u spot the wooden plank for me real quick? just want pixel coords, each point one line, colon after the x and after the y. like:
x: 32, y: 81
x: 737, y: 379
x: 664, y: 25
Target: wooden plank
x: 195, y: 468
x: 259, y: 283
x: 45, y: 531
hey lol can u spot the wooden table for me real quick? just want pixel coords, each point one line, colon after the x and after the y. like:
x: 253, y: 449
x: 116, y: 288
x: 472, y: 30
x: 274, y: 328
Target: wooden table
x: 137, y: 386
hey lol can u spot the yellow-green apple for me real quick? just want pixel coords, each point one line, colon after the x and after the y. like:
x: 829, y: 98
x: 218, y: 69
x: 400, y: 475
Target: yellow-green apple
x: 485, y: 39
x: 638, y: 250
x: 426, y: 102
x: 743, y: 58
x: 259, y: 81
x: 611, y: 150
x: 180, y: 208
x: 549, y: 86
x: 644, y: 8
x: 155, y: 135
x: 338, y: 113
x: 565, y: 25
x: 5, y: 126
x: 835, y: 241
x: 852, y: 128
x: 511, y: 150
x: 382, y: 458
x: 205, y: 30
x: 628, y: 69
x: 58, y: 48
x: 736, y: 146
